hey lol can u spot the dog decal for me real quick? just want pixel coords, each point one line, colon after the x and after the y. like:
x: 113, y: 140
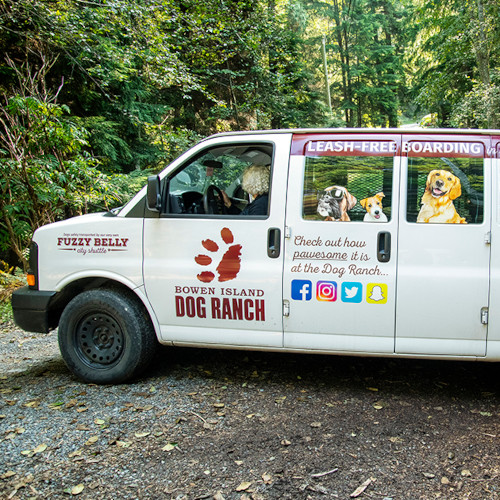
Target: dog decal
x: 442, y: 187
x: 335, y: 202
x: 374, y: 209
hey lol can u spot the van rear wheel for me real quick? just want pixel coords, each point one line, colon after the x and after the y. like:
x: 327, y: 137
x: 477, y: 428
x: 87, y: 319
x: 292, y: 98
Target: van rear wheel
x: 106, y: 337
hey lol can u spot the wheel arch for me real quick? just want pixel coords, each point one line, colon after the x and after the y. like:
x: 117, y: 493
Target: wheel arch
x: 73, y: 288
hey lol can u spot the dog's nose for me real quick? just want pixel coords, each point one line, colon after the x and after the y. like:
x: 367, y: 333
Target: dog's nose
x: 377, y: 212
x: 439, y: 183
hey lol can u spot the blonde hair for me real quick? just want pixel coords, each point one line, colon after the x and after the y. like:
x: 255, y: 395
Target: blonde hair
x: 255, y: 180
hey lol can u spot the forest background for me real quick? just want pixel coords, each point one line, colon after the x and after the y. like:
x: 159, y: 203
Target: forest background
x: 97, y: 94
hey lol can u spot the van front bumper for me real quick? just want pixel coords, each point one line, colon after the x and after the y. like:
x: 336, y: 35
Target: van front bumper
x: 31, y: 309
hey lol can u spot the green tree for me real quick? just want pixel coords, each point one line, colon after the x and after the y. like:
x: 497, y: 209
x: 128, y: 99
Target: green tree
x: 117, y: 61
x: 247, y: 57
x: 45, y: 173
x: 456, y: 57
x: 147, y: 76
x: 365, y: 41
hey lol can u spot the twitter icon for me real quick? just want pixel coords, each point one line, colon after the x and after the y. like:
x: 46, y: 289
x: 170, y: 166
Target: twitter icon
x: 352, y: 291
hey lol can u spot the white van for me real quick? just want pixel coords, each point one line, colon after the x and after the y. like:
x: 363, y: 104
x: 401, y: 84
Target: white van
x: 368, y: 242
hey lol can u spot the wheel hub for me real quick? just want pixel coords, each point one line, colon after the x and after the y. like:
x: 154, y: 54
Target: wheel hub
x: 103, y: 338
x: 100, y: 339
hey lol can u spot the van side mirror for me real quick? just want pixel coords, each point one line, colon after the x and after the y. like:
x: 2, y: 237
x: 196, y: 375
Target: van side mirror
x: 154, y: 193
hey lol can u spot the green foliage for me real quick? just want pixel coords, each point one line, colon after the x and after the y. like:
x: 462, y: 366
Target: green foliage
x: 10, y: 279
x: 5, y: 312
x: 478, y: 107
x: 45, y: 174
x: 172, y: 142
x: 125, y: 187
x: 130, y: 67
x: 365, y: 44
x: 456, y: 55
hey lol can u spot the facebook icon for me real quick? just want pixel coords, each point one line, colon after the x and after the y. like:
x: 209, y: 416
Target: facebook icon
x: 301, y: 290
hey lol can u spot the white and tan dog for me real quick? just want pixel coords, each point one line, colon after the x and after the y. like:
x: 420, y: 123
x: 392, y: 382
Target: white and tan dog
x: 374, y: 209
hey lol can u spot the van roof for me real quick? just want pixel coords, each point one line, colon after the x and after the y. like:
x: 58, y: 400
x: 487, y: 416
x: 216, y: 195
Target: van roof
x: 412, y: 131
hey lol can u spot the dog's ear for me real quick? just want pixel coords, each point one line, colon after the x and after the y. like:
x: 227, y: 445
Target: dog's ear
x: 456, y: 190
x: 351, y: 200
x: 363, y: 202
x: 380, y: 195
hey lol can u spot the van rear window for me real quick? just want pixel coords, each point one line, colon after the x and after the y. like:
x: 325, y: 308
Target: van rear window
x: 445, y: 190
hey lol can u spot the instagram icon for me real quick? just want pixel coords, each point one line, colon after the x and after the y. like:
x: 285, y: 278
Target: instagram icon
x: 326, y: 291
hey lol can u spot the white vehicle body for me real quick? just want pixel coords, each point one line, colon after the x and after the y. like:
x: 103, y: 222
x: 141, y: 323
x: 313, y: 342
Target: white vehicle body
x: 291, y: 279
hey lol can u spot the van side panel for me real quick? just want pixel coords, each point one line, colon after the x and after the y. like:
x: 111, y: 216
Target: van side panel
x: 444, y: 253
x: 90, y: 245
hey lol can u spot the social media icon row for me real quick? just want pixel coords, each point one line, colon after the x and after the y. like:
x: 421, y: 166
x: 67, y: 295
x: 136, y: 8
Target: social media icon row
x: 350, y: 291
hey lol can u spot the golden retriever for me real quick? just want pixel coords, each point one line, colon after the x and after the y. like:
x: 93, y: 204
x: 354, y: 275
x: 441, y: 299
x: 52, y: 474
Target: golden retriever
x: 441, y: 189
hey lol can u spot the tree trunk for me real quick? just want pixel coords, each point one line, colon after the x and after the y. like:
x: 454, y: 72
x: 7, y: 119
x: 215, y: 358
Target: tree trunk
x: 482, y: 52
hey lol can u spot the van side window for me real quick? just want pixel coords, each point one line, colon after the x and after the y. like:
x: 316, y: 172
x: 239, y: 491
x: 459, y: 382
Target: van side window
x: 447, y: 187
x: 341, y: 187
x: 211, y: 183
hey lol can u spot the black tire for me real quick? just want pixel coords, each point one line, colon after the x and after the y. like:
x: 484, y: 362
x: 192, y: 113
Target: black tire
x: 106, y: 337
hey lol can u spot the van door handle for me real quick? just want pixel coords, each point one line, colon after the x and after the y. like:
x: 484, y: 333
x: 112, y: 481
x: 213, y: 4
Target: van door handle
x: 273, y: 242
x: 384, y: 246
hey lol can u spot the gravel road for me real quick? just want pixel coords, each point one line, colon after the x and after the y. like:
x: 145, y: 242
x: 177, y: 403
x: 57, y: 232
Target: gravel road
x: 245, y: 425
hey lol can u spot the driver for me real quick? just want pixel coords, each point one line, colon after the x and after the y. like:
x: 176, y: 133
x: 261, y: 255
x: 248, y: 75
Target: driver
x: 255, y: 182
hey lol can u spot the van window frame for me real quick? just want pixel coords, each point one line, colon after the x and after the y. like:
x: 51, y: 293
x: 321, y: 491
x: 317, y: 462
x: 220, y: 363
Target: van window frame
x: 192, y: 159
x: 447, y: 158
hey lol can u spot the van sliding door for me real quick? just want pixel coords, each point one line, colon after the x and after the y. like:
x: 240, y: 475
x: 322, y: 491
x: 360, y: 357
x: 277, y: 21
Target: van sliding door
x: 340, y: 263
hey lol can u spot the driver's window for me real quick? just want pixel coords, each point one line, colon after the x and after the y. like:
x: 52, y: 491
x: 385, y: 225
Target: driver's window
x: 211, y: 183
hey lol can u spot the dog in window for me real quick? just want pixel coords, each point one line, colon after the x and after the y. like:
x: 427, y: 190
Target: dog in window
x: 334, y: 204
x: 374, y: 209
x: 442, y: 187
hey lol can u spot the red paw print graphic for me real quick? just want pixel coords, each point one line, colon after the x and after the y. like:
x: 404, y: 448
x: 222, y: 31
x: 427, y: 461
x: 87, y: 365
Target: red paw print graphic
x: 229, y: 265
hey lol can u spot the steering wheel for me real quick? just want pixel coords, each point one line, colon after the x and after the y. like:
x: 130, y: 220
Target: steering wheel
x: 213, y: 201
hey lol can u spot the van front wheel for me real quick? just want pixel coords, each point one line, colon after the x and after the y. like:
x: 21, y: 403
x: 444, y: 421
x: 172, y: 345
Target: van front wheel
x: 105, y: 337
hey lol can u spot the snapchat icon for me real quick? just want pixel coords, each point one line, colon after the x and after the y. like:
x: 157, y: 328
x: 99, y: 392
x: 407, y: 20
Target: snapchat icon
x: 376, y: 293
